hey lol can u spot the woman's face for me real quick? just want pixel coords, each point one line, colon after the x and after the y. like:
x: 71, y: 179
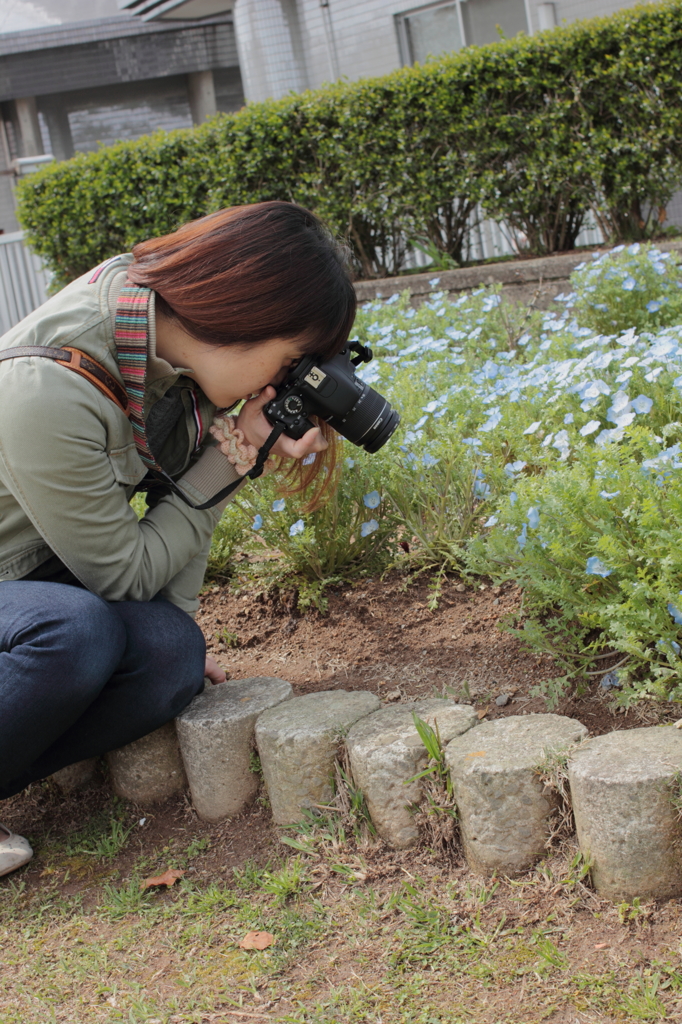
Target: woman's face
x: 227, y: 375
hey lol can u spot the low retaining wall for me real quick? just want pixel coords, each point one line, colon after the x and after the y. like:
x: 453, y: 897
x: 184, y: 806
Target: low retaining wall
x: 535, y: 281
x: 625, y: 787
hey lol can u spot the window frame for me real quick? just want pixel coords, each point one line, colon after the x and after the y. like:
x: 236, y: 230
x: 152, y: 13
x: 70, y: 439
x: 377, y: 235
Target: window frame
x: 402, y: 30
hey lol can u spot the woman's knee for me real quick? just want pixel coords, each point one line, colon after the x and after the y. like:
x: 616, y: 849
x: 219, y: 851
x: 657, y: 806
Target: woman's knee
x: 63, y: 630
x: 167, y: 647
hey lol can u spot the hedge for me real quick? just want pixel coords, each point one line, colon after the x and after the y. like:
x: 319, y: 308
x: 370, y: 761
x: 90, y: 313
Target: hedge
x: 535, y: 131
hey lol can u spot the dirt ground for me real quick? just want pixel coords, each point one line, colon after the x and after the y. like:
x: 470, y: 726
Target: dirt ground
x: 362, y: 934
x: 380, y: 635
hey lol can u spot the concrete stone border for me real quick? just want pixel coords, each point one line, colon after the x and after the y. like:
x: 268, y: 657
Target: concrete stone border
x: 626, y: 786
x: 521, y: 279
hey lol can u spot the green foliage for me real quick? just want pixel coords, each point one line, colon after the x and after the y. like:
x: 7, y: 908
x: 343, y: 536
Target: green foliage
x: 625, y: 289
x: 227, y: 537
x: 538, y: 130
x: 347, y: 537
x: 437, y: 767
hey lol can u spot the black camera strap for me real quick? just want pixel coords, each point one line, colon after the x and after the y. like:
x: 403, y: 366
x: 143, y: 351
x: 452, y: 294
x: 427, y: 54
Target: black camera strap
x: 253, y: 473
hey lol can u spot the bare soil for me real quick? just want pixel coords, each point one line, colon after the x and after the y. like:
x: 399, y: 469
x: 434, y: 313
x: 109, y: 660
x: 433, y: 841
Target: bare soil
x: 380, y: 635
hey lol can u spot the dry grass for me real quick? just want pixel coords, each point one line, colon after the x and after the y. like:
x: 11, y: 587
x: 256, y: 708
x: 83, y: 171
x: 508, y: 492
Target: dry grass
x: 363, y: 934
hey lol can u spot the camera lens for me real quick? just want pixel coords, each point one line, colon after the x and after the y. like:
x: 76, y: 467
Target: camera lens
x: 370, y: 422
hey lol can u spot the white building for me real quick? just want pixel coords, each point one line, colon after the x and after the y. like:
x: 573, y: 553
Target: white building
x: 287, y: 45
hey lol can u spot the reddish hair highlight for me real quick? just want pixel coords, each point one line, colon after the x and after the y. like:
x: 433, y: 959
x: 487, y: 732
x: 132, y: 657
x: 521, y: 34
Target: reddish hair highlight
x: 248, y: 274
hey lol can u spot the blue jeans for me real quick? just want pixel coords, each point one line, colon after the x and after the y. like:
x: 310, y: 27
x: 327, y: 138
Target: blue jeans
x: 80, y: 676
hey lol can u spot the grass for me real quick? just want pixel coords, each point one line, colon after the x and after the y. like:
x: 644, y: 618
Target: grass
x: 362, y: 934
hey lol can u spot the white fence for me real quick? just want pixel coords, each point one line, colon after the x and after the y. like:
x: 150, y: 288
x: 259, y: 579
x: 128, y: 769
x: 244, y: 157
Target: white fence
x: 23, y: 280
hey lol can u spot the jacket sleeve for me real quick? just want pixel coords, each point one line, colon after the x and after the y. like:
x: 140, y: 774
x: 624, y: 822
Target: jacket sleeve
x: 54, y: 459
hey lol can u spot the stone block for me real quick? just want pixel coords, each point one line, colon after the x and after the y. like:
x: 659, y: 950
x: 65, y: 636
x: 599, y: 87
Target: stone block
x: 298, y: 742
x: 626, y: 799
x: 385, y: 751
x: 216, y: 740
x: 150, y: 769
x: 504, y: 807
x: 77, y: 776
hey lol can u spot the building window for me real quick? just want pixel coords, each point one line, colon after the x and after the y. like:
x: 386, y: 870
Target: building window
x: 445, y: 27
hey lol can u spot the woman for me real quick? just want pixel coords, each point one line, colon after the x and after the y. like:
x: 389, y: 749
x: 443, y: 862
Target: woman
x: 98, y: 646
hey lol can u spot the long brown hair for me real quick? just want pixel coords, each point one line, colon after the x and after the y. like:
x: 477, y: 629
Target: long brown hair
x: 248, y: 274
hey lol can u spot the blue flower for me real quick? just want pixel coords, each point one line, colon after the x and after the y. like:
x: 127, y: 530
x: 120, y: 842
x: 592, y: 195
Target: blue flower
x: 513, y: 498
x: 278, y: 506
x: 629, y: 284
x: 642, y: 404
x: 308, y: 460
x: 675, y: 612
x: 589, y: 428
x: 533, y: 427
x: 609, y: 494
x: 369, y: 527
x: 653, y: 306
x: 296, y: 528
x: 609, y: 681
x: 523, y: 536
x: 533, y: 518
x: 568, y: 418
x: 372, y: 500
x: 595, y: 567
x: 491, y: 522
x: 349, y: 462
x: 492, y: 421
x: 434, y: 281
x: 257, y: 522
x: 429, y: 460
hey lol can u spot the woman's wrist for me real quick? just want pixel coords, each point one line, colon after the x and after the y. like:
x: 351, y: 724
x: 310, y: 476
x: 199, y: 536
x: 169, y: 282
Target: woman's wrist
x: 233, y: 444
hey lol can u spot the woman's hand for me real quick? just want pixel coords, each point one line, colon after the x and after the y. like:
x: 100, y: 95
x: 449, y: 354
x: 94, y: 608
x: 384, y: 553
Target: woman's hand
x: 257, y: 429
x: 213, y: 671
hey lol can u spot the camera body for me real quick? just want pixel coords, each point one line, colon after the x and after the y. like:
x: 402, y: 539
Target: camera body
x: 332, y: 391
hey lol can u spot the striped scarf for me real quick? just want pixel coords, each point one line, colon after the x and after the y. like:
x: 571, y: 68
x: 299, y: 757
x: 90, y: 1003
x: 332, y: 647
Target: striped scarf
x: 131, y: 334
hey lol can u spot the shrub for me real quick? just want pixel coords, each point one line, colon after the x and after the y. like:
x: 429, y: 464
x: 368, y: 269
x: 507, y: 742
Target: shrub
x: 538, y: 131
x: 629, y: 288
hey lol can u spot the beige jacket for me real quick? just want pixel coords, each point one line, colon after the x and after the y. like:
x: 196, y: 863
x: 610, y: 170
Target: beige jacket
x: 68, y: 462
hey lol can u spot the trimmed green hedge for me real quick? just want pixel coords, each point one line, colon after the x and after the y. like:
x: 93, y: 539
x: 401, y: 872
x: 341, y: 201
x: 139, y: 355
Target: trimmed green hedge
x: 538, y: 131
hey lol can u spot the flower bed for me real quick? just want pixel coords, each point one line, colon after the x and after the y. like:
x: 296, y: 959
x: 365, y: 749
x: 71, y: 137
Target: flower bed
x: 539, y: 447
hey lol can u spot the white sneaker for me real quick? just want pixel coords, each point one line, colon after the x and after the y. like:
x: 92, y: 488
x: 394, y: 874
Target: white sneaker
x: 14, y: 851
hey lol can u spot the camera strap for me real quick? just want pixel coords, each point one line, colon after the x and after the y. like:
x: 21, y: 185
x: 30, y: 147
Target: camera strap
x: 253, y: 473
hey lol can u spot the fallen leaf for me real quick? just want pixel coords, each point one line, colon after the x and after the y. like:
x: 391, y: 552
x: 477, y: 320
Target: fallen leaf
x: 477, y: 753
x: 482, y: 712
x: 168, y: 878
x: 678, y: 724
x: 257, y: 940
x: 602, y: 945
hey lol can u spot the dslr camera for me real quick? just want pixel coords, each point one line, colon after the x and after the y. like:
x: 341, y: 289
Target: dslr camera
x: 332, y: 391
